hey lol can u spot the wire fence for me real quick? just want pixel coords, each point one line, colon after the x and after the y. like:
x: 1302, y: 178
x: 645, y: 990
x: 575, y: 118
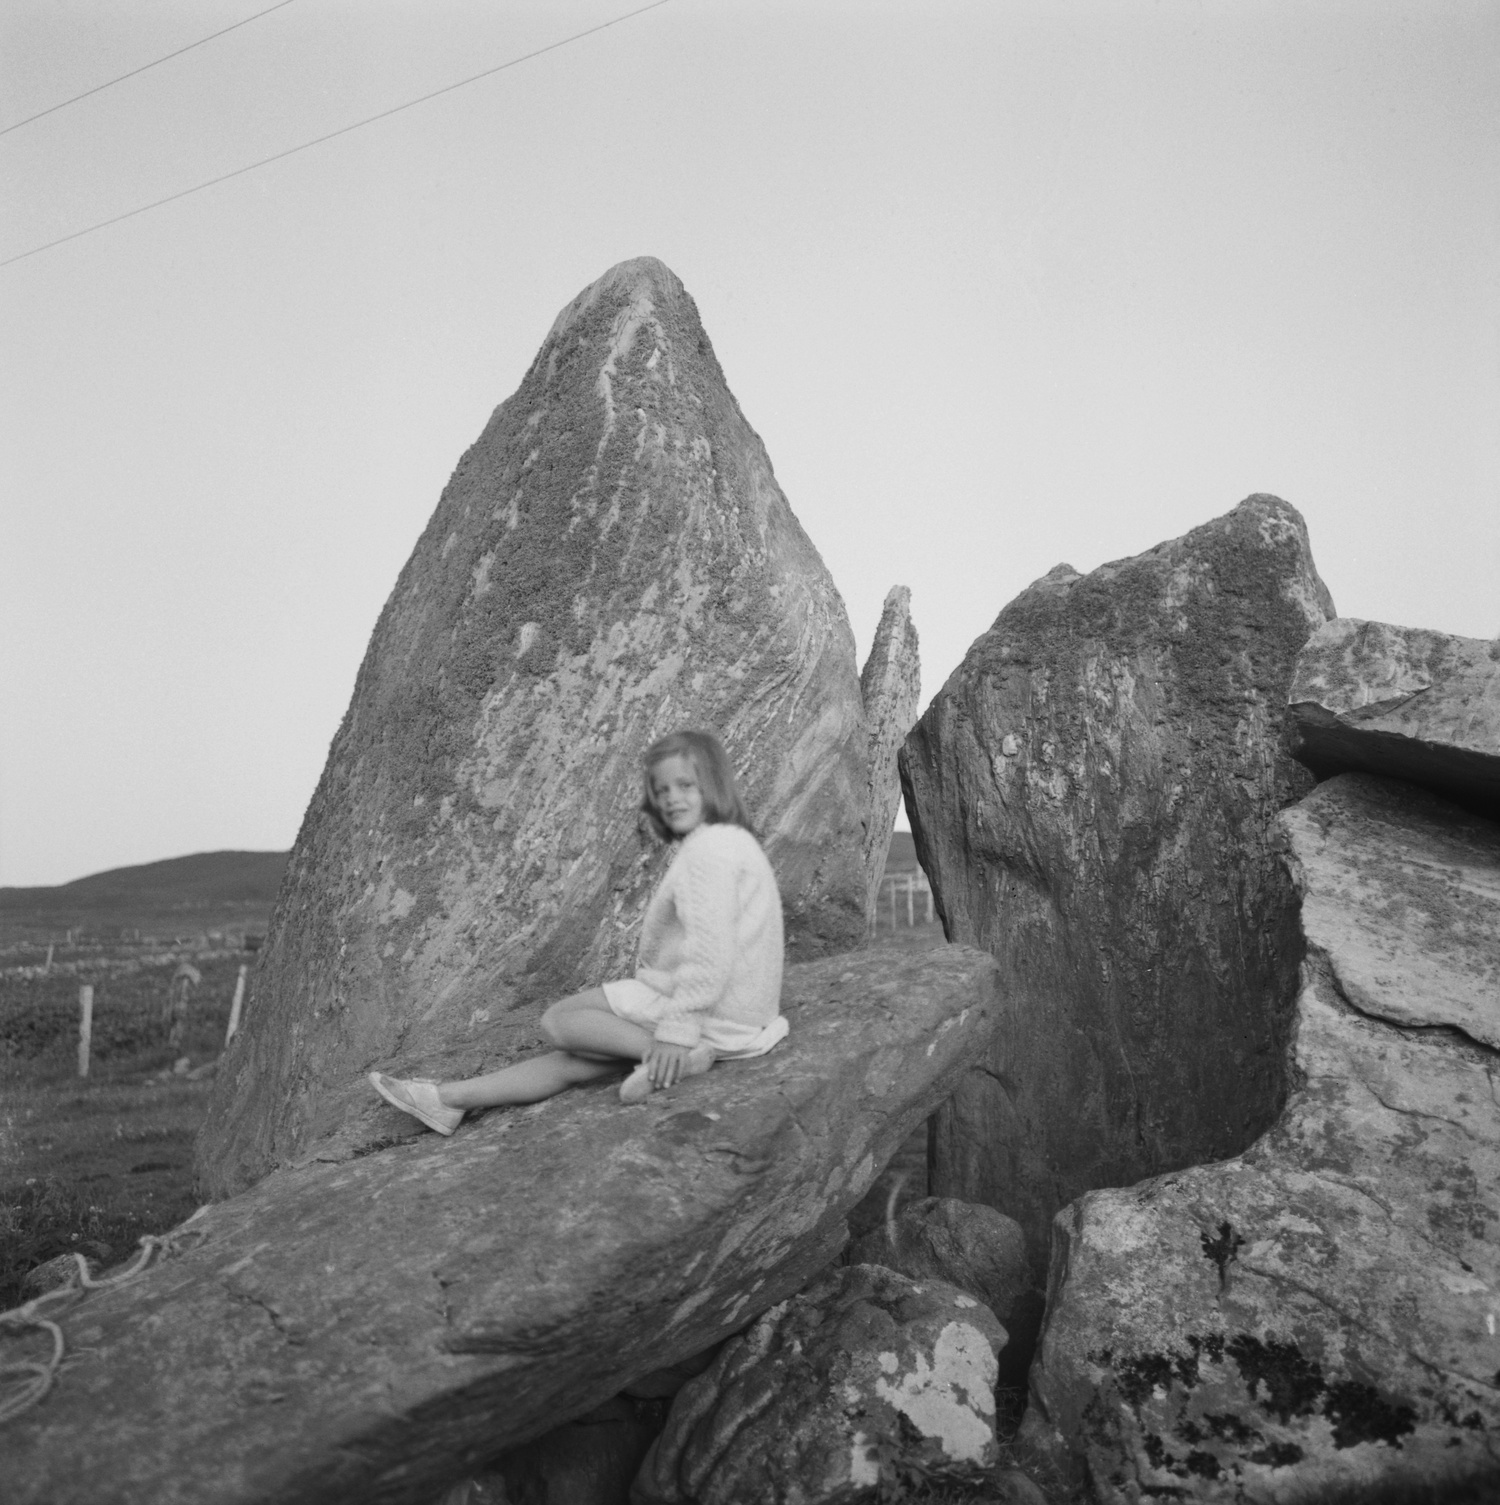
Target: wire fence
x: 905, y: 899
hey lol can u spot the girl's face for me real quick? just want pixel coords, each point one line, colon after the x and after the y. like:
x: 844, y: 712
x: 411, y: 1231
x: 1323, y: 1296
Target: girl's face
x: 676, y: 795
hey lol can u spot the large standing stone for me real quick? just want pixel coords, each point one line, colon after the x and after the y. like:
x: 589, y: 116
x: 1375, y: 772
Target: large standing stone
x: 1092, y: 794
x: 1416, y: 705
x: 831, y: 1395
x: 611, y: 560
x: 369, y: 1332
x: 1317, y: 1319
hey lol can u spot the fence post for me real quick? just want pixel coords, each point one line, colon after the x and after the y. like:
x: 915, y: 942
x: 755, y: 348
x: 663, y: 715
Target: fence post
x: 928, y: 886
x: 85, y: 1026
x: 911, y: 918
x: 234, y: 1008
x: 47, y: 970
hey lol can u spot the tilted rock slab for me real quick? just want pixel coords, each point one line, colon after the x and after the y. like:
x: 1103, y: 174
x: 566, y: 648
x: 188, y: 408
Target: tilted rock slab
x: 1317, y: 1319
x: 373, y: 1331
x: 611, y: 561
x: 830, y: 1394
x: 1401, y: 701
x: 1091, y: 795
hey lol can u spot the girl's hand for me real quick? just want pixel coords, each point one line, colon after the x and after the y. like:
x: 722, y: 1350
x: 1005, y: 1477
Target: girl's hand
x: 664, y: 1063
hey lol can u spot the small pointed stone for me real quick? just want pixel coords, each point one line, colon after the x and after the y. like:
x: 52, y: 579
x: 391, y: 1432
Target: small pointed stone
x: 891, y: 688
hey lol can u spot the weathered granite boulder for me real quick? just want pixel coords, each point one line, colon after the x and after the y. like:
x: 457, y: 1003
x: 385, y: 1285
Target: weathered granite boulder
x: 370, y: 1332
x: 1416, y: 705
x: 973, y: 1247
x: 1317, y: 1319
x: 611, y: 560
x: 891, y: 691
x: 1092, y: 794
x: 864, y: 1375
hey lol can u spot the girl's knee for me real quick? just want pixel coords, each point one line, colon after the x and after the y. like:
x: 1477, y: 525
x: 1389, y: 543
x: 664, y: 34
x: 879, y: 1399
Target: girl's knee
x: 552, y: 1024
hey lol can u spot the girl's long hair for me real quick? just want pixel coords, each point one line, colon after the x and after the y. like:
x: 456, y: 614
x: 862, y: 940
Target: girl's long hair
x: 722, y: 803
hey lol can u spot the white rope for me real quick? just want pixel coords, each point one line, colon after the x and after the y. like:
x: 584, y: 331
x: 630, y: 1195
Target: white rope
x: 35, y: 1376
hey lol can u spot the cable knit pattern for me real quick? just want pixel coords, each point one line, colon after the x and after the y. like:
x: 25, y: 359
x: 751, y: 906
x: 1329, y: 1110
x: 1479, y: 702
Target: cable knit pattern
x: 711, y: 941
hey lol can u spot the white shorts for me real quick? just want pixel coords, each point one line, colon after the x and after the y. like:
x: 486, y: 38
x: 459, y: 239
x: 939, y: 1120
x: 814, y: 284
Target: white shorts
x: 632, y: 999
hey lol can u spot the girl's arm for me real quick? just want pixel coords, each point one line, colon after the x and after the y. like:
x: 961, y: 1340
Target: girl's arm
x: 706, y: 897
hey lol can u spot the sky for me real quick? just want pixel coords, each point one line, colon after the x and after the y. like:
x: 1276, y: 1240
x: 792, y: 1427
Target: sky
x: 999, y: 286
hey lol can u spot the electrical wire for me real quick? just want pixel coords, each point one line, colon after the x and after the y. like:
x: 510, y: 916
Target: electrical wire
x: 343, y: 130
x: 110, y: 83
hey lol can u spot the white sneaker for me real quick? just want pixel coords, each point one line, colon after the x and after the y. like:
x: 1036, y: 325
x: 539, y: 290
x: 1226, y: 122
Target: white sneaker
x: 418, y: 1098
x: 636, y: 1088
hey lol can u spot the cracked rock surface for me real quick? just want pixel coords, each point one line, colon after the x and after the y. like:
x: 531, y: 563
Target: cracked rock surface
x: 612, y: 560
x: 830, y: 1394
x: 1092, y: 794
x: 1401, y: 701
x: 1320, y: 1314
x: 368, y: 1332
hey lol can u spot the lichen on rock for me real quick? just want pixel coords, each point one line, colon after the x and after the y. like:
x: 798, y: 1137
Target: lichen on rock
x: 863, y: 1375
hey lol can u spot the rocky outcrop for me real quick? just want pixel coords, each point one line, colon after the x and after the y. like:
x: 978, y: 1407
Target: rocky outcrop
x: 1401, y: 701
x: 612, y: 560
x: 890, y: 686
x: 970, y: 1246
x: 865, y: 1375
x: 1317, y: 1319
x: 1092, y: 794
x: 367, y: 1333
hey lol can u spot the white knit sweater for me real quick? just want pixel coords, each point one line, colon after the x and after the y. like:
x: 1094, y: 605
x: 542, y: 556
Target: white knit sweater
x: 712, y: 941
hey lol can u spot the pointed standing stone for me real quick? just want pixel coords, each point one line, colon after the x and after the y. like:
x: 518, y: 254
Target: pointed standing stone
x: 612, y: 560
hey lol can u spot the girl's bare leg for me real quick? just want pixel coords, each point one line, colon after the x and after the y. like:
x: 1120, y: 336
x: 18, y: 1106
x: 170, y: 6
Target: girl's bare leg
x: 585, y: 1025
x: 592, y: 1042
x: 525, y: 1082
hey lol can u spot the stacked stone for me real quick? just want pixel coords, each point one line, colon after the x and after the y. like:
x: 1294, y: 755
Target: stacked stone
x: 1317, y: 1318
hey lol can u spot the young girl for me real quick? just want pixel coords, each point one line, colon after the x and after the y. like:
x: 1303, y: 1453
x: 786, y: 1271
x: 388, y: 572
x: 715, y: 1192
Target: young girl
x: 707, y: 984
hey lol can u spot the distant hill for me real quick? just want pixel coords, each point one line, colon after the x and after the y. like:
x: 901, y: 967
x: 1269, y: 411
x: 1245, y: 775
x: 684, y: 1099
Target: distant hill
x: 225, y: 891
x: 204, y: 891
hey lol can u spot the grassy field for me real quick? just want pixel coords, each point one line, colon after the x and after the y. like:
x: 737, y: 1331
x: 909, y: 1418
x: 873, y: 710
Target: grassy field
x: 90, y: 1164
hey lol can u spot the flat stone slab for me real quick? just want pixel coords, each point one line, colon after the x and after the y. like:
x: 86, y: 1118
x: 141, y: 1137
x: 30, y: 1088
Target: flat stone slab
x: 1317, y: 1318
x: 1401, y: 701
x: 1401, y: 894
x: 371, y: 1331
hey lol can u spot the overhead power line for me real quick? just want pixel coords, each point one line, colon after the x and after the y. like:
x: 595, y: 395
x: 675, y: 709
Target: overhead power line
x: 343, y: 130
x: 110, y: 83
